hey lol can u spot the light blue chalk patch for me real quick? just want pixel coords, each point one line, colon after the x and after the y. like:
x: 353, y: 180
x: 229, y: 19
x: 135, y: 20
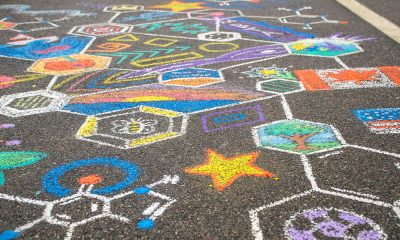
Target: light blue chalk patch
x: 9, y: 234
x: 145, y: 224
x: 141, y: 190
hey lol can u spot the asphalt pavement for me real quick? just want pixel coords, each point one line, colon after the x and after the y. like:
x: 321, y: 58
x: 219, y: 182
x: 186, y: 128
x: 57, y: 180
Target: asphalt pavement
x: 212, y: 119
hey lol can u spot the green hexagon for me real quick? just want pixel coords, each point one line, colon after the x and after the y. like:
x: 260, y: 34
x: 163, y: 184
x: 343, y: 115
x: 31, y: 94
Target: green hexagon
x: 297, y: 136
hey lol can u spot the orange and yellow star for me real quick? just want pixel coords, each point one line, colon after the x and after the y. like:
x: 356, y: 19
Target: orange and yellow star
x: 224, y: 171
x: 177, y: 6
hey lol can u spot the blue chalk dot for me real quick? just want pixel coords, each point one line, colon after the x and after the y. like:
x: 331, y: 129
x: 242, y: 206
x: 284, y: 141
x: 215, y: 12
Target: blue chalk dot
x: 141, y: 190
x: 145, y: 224
x: 9, y: 234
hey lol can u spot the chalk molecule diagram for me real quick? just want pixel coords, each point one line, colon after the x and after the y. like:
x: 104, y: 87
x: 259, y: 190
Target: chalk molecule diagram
x: 65, y: 210
x: 137, y: 76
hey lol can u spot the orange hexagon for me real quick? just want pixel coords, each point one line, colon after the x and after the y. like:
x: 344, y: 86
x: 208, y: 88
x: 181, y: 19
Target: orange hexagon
x: 71, y: 64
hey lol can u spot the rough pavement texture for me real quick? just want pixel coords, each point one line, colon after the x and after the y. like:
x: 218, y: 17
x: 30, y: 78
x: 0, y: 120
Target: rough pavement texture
x: 216, y: 119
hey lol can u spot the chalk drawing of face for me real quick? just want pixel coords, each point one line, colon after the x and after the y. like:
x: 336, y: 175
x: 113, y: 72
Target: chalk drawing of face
x: 134, y: 126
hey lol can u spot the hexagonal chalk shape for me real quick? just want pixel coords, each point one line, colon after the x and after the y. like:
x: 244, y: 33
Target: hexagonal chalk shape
x: 101, y: 29
x: 302, y: 19
x: 219, y: 36
x: 6, y: 25
x: 313, y: 215
x: 191, y: 77
x: 29, y: 103
x: 297, y: 136
x: 324, y: 47
x: 374, y: 170
x: 133, y: 127
x: 147, y: 17
x: 123, y: 8
x: 215, y: 14
x: 76, y: 209
x: 71, y: 64
x: 279, y: 86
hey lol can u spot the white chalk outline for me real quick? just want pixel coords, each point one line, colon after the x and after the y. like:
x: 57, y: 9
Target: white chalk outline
x: 105, y: 212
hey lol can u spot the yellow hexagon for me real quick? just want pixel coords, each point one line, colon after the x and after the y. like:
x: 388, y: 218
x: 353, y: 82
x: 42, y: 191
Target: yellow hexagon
x: 71, y: 64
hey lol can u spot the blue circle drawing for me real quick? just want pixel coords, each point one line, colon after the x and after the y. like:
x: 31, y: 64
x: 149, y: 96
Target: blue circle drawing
x: 50, y: 181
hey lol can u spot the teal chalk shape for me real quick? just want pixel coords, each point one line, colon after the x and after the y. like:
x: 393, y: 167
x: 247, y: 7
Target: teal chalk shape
x: 10, y: 160
x: 145, y: 224
x: 9, y: 234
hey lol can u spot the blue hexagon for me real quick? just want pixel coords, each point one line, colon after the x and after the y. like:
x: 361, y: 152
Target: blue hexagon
x: 191, y: 77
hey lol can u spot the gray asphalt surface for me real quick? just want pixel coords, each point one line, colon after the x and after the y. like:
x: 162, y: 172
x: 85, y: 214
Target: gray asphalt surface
x: 129, y: 120
x: 382, y: 7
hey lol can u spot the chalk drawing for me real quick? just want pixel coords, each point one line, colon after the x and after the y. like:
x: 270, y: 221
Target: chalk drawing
x: 24, y: 9
x: 380, y: 120
x: 107, y: 79
x: 133, y: 127
x: 139, y: 17
x: 316, y: 80
x: 224, y: 171
x: 331, y: 223
x: 178, y: 6
x: 191, y: 77
x: 161, y: 42
x: 177, y: 56
x: 232, y: 118
x: 66, y: 211
x: 101, y: 29
x: 270, y: 73
x: 8, y: 81
x: 24, y: 46
x: 279, y: 86
x: 11, y: 160
x: 13, y: 142
x: 29, y: 103
x: 179, y: 27
x: 307, y: 21
x: 70, y: 64
x: 296, y: 136
x: 124, y: 8
x: 177, y: 99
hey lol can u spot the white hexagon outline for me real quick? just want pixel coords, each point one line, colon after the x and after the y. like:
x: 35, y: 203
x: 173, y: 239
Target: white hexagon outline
x: 221, y: 79
x: 236, y: 36
x: 219, y: 10
x: 75, y: 29
x: 59, y: 100
x: 140, y: 8
x: 339, y: 137
x: 185, y: 16
x: 258, y: 86
x: 182, y: 131
x: 255, y: 220
x: 360, y: 50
